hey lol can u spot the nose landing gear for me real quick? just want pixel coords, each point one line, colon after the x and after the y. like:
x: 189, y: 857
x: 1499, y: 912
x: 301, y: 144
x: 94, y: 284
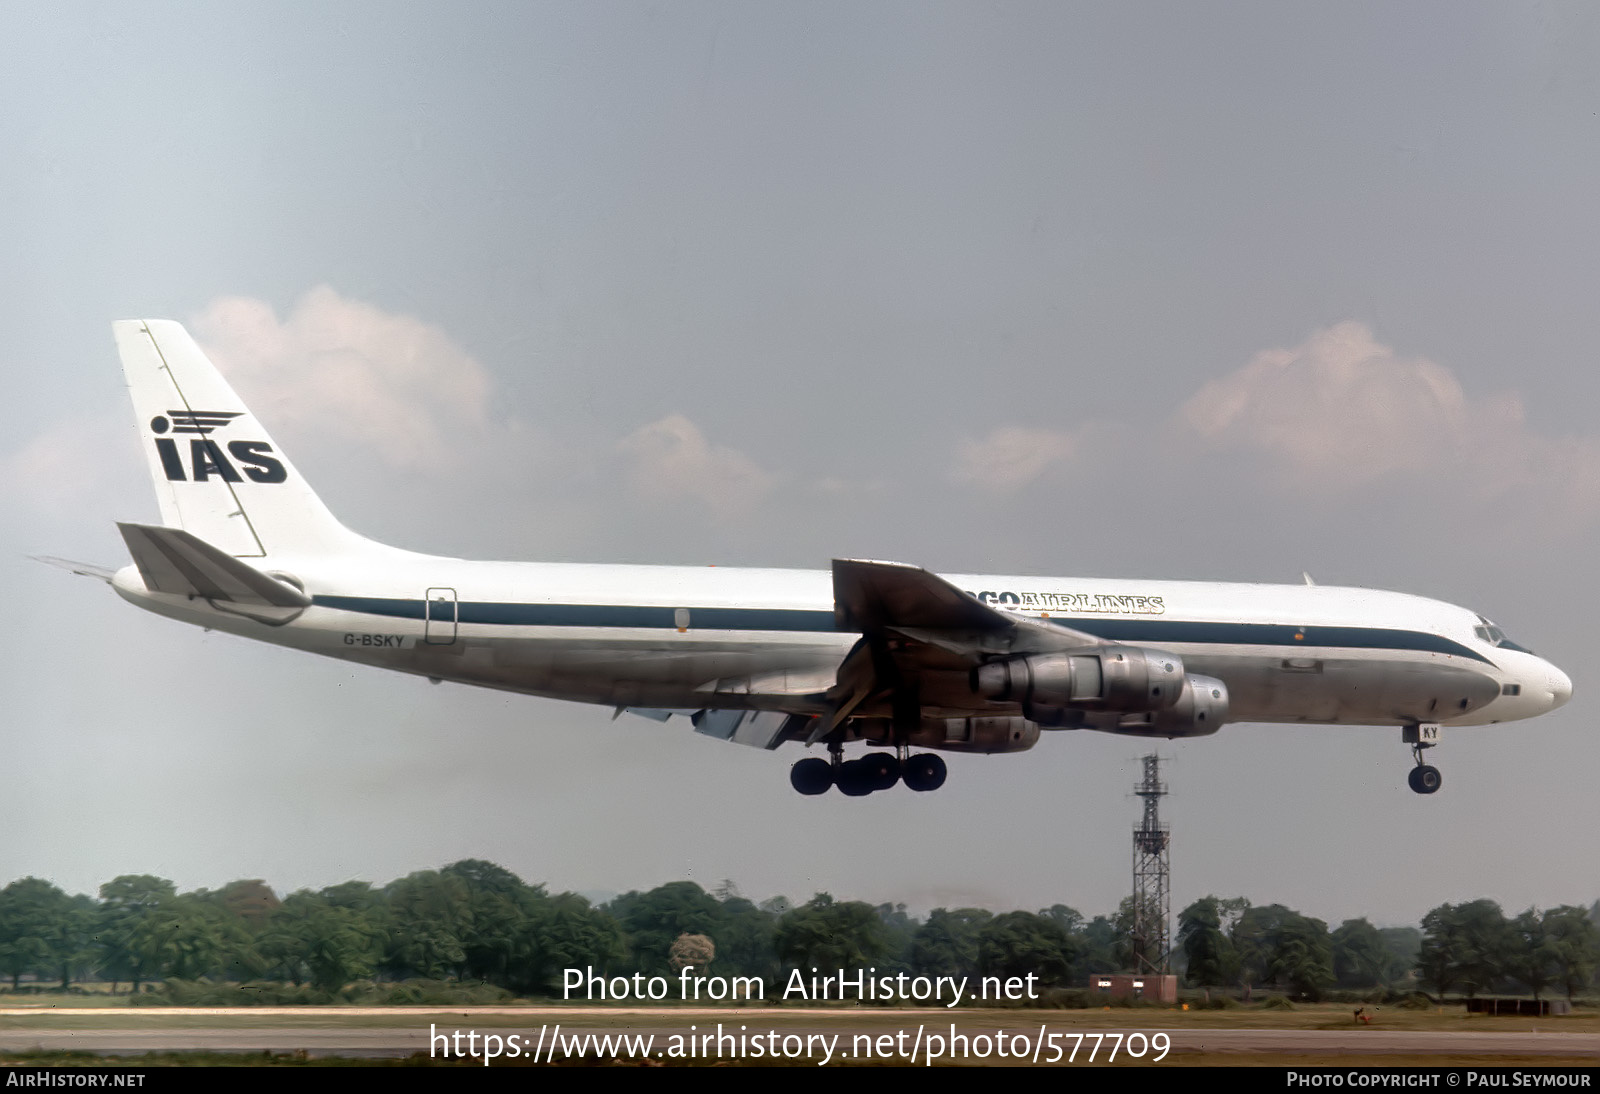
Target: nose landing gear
x: 1424, y: 778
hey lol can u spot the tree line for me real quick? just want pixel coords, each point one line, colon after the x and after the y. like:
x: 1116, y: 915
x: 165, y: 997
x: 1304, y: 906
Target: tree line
x: 1469, y: 949
x: 476, y: 922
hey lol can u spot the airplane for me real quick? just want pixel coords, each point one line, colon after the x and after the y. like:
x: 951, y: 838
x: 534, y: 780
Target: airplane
x: 904, y: 661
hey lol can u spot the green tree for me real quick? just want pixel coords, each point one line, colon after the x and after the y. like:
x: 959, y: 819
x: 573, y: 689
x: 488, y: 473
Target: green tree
x: 1436, y: 964
x: 1485, y: 941
x: 745, y: 939
x: 325, y: 943
x: 429, y: 923
x: 1303, y: 962
x: 899, y: 929
x: 499, y: 903
x: 1404, y: 945
x: 72, y: 939
x: 1534, y: 959
x: 947, y: 944
x: 565, y: 932
x: 1360, y: 958
x: 1467, y: 945
x: 33, y: 912
x: 653, y: 921
x: 1104, y: 948
x: 130, y: 946
x: 1068, y: 919
x: 1279, y: 946
x: 190, y: 936
x: 240, y: 911
x: 1209, y: 952
x: 1018, y: 943
x: 252, y: 901
x: 827, y: 934
x: 1575, y: 946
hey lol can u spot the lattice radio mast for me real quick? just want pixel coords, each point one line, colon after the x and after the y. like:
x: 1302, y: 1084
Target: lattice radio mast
x: 1152, y: 897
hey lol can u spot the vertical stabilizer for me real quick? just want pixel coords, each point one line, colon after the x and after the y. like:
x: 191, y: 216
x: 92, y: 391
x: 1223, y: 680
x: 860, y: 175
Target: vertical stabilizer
x: 217, y: 473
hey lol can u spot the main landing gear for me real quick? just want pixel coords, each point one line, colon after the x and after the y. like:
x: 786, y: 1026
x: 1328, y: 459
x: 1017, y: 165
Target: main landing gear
x: 1424, y: 778
x: 874, y: 771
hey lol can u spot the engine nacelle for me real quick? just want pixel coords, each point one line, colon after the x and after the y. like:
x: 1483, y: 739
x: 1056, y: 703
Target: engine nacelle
x: 1200, y: 711
x: 1004, y: 734
x: 1055, y: 689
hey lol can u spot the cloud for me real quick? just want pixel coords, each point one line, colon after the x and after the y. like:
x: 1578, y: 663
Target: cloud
x: 1338, y: 414
x: 1346, y: 409
x: 1342, y: 411
x: 1012, y: 456
x: 672, y: 460
x: 55, y: 470
x: 338, y: 367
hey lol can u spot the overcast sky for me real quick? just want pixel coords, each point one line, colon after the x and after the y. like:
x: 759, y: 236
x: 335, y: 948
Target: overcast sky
x: 1220, y: 291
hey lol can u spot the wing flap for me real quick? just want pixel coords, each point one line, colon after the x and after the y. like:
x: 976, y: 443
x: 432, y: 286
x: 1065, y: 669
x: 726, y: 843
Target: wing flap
x: 755, y: 728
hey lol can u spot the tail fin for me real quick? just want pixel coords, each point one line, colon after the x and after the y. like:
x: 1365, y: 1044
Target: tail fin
x: 217, y: 473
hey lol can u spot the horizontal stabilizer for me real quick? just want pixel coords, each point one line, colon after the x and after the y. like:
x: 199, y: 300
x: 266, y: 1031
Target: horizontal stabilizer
x: 83, y: 569
x: 171, y: 560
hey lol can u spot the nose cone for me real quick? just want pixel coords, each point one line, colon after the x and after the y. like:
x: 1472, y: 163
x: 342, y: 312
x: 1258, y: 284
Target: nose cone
x: 1559, y: 685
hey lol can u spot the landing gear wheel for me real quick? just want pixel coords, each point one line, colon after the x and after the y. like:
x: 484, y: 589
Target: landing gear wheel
x: 884, y: 767
x: 855, y: 779
x: 811, y: 776
x: 1424, y: 779
x: 924, y: 771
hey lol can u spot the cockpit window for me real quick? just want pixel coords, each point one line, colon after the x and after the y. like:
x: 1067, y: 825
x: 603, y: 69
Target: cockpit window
x: 1494, y: 636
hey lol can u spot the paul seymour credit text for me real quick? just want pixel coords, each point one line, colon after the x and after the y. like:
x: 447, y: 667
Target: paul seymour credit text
x: 841, y: 984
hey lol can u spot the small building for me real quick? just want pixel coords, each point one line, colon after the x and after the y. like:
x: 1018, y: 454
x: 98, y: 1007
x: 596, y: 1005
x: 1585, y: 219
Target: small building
x: 1148, y: 988
x: 1519, y: 1008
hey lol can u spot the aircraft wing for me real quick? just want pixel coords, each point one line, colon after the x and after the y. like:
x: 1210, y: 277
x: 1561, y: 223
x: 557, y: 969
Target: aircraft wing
x: 880, y: 597
x: 911, y: 621
x: 870, y: 596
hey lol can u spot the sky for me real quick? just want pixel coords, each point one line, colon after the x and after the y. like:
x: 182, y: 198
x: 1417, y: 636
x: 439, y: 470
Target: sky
x: 1220, y: 292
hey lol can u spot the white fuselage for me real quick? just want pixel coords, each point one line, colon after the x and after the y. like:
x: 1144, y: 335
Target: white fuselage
x: 880, y: 652
x: 690, y: 638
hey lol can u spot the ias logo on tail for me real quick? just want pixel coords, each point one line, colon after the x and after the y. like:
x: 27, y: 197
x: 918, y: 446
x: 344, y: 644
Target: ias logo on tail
x: 206, y: 457
x: 193, y: 421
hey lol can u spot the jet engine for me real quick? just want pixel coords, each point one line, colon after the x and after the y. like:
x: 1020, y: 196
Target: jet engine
x: 1201, y: 710
x: 1056, y: 689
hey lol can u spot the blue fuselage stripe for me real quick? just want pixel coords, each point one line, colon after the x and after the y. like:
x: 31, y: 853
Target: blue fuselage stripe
x: 1135, y: 631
